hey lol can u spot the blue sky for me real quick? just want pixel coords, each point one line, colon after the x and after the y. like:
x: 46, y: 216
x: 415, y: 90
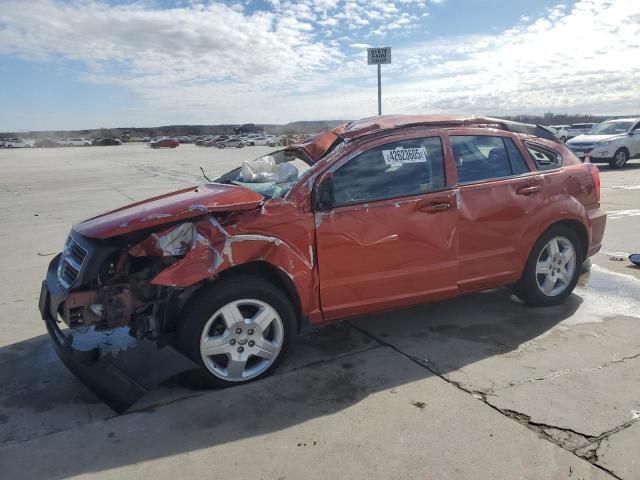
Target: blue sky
x: 93, y: 63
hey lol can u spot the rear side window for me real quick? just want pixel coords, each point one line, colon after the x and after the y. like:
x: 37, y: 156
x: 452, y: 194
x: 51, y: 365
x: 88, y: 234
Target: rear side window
x: 483, y: 157
x: 544, y: 158
x: 398, y: 169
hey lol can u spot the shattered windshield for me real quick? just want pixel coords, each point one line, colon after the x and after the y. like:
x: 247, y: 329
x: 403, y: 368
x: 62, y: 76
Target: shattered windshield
x: 271, y: 175
x: 610, y: 128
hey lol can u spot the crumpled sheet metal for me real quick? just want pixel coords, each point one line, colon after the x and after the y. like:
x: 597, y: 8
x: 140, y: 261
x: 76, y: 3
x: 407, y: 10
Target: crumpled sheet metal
x: 209, y: 249
x: 174, y: 241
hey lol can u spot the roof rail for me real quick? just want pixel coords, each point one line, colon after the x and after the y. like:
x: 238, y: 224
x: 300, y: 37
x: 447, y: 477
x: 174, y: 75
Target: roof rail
x: 374, y: 125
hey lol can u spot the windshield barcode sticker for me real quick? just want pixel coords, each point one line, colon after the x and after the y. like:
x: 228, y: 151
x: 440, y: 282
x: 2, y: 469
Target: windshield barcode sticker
x: 400, y: 155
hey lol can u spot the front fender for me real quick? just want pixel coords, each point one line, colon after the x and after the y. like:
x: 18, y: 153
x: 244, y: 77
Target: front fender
x: 209, y: 249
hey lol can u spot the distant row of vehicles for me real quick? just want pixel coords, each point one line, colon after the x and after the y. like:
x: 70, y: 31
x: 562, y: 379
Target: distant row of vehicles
x: 52, y: 143
x: 219, y: 141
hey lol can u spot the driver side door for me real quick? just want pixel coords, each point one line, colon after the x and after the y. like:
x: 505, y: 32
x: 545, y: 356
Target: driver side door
x: 389, y: 238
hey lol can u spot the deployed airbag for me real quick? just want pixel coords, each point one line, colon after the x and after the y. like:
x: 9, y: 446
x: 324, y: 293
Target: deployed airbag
x: 265, y: 170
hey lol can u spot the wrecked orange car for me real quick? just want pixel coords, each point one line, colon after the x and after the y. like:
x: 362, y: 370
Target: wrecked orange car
x: 218, y: 280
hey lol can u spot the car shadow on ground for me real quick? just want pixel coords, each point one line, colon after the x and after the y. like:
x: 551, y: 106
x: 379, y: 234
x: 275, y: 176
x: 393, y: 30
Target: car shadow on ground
x: 333, y: 368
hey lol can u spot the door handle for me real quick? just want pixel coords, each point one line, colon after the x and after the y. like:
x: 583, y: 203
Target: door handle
x: 435, y: 207
x: 528, y: 190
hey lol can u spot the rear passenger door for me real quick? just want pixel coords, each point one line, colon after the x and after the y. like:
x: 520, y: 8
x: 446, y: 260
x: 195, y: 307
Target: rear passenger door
x: 497, y: 190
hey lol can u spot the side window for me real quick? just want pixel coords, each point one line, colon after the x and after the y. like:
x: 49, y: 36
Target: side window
x: 398, y: 169
x: 480, y: 158
x: 545, y: 159
x: 518, y: 165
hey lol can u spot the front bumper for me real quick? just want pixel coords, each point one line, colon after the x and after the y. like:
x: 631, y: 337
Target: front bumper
x: 596, y: 154
x: 119, y: 377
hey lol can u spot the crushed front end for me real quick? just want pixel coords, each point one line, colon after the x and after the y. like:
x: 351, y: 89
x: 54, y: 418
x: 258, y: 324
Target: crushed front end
x: 109, y: 325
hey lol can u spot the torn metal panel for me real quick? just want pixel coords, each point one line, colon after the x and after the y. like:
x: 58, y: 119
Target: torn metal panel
x: 279, y: 234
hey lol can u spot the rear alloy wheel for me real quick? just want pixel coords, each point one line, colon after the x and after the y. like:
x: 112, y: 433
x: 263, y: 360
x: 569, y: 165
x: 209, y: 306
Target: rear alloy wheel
x: 620, y: 159
x: 556, y: 266
x: 552, y: 269
x: 241, y: 145
x: 563, y: 139
x: 237, y: 330
x: 221, y: 145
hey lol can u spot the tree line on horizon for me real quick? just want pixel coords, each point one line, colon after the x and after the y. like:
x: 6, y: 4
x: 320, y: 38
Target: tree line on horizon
x: 293, y: 128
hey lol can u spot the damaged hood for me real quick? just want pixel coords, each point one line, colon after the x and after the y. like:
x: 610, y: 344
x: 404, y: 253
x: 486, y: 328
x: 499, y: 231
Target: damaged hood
x: 171, y: 207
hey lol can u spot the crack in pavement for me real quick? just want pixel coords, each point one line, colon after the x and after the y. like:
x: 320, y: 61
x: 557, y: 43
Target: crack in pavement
x: 560, y: 373
x: 586, y: 451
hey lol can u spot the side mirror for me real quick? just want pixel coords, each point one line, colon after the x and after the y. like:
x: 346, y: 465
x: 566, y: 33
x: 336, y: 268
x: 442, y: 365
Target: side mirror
x: 323, y: 197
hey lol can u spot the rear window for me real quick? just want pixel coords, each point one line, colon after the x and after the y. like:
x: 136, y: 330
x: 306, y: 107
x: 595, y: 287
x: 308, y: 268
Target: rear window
x: 544, y: 158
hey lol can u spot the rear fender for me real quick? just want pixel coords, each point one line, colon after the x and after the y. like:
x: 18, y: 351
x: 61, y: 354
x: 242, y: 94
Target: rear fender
x: 558, y: 210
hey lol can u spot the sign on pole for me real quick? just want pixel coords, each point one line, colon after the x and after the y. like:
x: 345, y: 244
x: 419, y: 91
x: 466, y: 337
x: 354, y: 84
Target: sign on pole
x: 378, y: 56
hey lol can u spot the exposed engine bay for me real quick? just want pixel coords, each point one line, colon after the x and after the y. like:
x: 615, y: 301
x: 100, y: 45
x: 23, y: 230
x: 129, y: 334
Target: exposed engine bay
x: 121, y: 294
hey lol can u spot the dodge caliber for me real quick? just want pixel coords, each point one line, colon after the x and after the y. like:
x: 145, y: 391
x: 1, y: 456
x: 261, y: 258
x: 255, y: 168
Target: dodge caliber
x: 373, y: 215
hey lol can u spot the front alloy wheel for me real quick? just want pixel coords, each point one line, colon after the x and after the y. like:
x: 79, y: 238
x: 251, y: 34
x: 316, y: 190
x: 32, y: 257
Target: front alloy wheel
x: 241, y: 340
x: 237, y: 329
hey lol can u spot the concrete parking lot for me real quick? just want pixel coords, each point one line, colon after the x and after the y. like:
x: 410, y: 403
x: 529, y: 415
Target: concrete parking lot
x: 479, y: 387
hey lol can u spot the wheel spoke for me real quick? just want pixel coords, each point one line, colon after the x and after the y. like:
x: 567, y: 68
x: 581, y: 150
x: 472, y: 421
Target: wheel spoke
x: 567, y: 255
x: 266, y: 349
x: 263, y: 319
x: 548, y: 284
x: 564, y: 276
x: 543, y: 267
x: 236, y: 365
x: 215, y: 345
x: 554, y: 249
x: 231, y: 315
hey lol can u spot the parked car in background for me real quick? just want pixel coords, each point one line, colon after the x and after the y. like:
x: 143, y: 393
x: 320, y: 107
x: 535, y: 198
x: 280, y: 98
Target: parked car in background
x: 229, y: 272
x: 203, y: 141
x: 613, y: 142
x: 106, y: 142
x: 164, y: 143
x: 48, y: 143
x: 560, y: 131
x: 576, y: 129
x: 77, y: 142
x: 231, y: 142
x: 16, y: 143
x: 260, y: 141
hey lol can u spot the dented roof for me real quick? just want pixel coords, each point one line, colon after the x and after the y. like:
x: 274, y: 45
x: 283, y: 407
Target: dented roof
x: 318, y: 146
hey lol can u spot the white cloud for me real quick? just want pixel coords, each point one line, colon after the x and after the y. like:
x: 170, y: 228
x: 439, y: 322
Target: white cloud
x: 216, y: 63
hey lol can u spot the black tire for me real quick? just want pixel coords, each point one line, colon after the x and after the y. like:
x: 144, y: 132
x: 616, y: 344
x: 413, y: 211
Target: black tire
x: 209, y: 300
x: 241, y: 145
x: 527, y: 287
x: 221, y: 145
x: 620, y: 158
